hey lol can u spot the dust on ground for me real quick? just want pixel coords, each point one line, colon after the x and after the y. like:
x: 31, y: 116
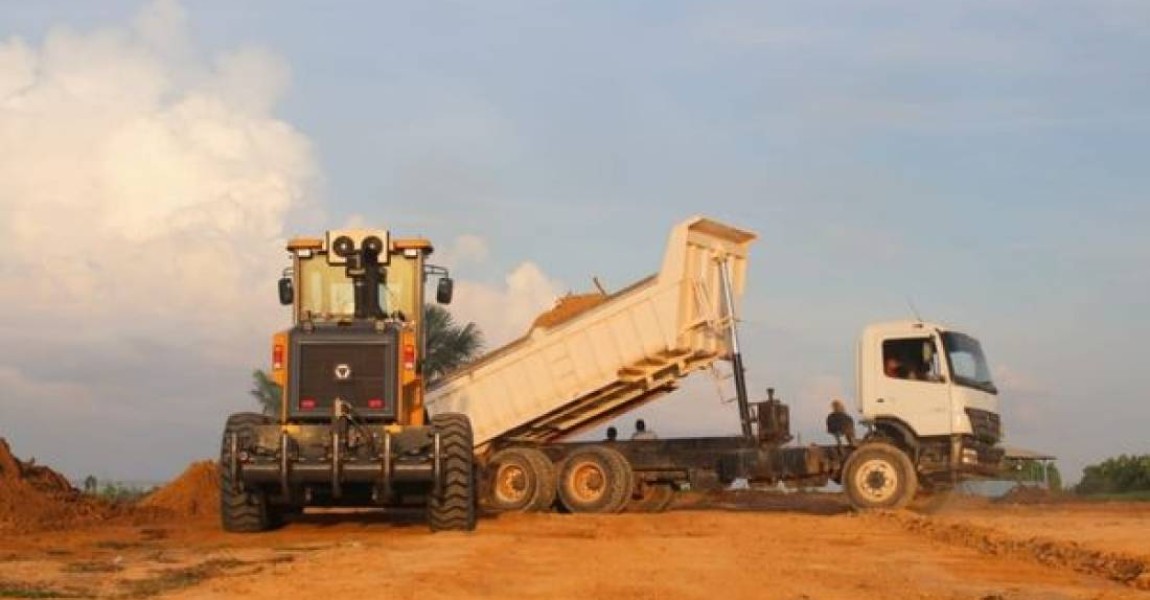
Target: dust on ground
x: 733, y: 544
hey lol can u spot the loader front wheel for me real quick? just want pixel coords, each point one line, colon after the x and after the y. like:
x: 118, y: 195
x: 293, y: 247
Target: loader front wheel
x: 879, y: 476
x: 595, y: 479
x: 522, y: 480
x: 241, y: 510
x: 453, y: 508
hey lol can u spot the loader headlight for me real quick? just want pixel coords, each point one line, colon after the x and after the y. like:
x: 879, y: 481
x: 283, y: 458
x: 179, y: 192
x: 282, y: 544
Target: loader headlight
x: 373, y: 244
x: 343, y: 246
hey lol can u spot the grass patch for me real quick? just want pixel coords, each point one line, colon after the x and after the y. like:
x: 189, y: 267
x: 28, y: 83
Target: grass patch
x: 16, y: 589
x: 170, y: 580
x: 152, y: 534
x: 92, y: 566
x: 116, y: 544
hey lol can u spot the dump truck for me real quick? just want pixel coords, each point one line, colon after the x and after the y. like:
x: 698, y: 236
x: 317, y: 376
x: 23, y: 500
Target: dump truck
x: 351, y: 429
x: 931, y: 418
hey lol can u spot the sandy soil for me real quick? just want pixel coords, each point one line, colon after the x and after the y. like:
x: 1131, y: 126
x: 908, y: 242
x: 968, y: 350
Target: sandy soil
x: 736, y: 546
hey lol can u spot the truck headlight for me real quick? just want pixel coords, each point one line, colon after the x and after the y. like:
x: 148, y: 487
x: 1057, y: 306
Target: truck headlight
x: 969, y: 456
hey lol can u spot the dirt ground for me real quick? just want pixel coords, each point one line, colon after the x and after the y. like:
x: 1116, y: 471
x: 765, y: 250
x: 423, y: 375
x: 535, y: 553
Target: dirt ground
x: 737, y: 545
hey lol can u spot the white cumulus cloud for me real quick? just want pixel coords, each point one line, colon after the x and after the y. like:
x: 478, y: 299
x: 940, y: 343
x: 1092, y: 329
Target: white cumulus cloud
x: 143, y: 190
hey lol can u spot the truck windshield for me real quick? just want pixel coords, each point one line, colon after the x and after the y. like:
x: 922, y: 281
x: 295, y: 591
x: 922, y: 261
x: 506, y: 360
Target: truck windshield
x: 967, y: 362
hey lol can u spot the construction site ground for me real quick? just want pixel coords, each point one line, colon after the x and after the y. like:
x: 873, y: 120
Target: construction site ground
x: 730, y: 545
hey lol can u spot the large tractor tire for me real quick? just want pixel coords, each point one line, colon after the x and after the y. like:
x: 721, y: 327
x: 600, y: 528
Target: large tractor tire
x: 242, y: 510
x: 521, y: 480
x: 651, y: 498
x: 595, y: 479
x: 453, y: 508
x: 879, y: 476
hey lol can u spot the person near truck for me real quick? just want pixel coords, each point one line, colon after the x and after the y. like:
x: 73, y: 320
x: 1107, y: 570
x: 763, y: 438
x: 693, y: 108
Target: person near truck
x: 840, y: 424
x: 641, y: 432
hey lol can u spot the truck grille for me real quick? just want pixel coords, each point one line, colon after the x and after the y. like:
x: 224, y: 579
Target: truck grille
x: 361, y: 373
x: 986, y: 425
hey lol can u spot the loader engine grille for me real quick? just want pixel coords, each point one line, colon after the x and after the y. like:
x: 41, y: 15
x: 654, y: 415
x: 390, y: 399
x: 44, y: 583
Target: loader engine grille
x: 361, y: 372
x: 985, y: 425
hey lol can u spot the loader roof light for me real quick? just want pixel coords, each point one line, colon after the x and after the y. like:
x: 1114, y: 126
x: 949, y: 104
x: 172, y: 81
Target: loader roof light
x: 343, y: 246
x: 372, y: 243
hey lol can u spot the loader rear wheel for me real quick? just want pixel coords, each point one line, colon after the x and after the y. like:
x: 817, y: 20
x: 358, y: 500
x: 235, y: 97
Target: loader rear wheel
x: 522, y: 480
x: 453, y: 508
x: 879, y: 476
x: 595, y: 479
x: 241, y: 510
x: 651, y: 498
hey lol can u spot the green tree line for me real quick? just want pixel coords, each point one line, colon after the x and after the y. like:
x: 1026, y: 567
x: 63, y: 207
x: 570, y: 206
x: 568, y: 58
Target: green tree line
x: 1117, y: 475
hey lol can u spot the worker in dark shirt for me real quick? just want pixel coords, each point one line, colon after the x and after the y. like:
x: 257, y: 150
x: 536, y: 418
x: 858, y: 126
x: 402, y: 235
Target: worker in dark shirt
x: 840, y: 424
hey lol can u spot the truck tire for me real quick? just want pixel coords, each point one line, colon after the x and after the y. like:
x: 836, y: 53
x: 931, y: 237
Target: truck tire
x: 241, y: 510
x: 522, y: 480
x: 651, y: 498
x: 879, y: 476
x: 595, y: 479
x: 453, y: 509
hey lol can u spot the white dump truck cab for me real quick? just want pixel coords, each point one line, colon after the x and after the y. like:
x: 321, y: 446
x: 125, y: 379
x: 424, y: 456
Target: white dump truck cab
x: 927, y: 390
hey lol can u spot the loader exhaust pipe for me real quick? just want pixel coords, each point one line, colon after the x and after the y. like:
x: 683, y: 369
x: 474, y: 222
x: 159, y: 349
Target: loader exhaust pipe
x: 736, y: 355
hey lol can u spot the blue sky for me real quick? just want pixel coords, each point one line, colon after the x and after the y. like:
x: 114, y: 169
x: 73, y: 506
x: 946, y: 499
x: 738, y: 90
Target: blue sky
x: 983, y: 159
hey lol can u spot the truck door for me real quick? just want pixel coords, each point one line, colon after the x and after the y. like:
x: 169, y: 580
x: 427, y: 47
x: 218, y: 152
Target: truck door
x: 911, y: 386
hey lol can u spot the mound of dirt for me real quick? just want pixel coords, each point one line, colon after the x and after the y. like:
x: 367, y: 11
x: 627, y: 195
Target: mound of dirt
x: 34, y: 497
x: 568, y: 307
x: 194, y: 494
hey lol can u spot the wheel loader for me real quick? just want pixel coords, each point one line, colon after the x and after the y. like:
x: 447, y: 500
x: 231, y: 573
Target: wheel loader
x: 351, y: 428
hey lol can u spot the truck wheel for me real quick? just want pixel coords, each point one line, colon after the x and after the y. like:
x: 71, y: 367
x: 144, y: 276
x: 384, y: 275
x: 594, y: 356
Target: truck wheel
x: 241, y: 511
x: 879, y: 475
x: 651, y: 498
x: 454, y: 508
x: 522, y: 480
x: 595, y: 479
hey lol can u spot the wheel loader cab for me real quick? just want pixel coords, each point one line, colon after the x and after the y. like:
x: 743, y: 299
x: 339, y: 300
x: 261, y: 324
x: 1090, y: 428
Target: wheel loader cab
x: 357, y: 335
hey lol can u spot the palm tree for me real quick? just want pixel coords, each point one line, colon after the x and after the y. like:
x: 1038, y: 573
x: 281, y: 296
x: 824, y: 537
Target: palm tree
x: 266, y: 392
x: 449, y: 345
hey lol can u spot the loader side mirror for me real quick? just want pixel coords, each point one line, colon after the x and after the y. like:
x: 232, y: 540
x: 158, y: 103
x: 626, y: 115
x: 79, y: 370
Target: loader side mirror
x: 444, y: 290
x: 287, y: 294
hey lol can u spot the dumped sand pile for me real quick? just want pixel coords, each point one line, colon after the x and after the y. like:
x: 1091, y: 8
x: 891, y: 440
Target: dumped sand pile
x: 194, y: 494
x: 568, y: 307
x: 34, y: 497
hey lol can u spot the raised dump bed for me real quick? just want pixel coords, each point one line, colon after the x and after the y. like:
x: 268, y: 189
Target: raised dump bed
x: 632, y: 347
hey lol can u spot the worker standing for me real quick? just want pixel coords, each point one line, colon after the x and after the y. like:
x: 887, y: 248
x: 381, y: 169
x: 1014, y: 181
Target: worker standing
x: 641, y: 432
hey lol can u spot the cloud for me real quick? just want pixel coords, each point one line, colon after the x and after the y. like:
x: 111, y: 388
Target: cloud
x: 144, y: 195
x: 505, y: 311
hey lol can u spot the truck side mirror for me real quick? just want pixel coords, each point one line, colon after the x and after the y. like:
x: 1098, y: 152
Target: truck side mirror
x: 444, y: 290
x: 287, y: 294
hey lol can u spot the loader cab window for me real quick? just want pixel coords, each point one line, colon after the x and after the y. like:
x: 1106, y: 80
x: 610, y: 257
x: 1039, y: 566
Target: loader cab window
x: 911, y: 358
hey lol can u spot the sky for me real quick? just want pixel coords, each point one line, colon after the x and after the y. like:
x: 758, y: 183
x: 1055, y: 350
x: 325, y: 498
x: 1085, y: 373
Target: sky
x: 983, y: 162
